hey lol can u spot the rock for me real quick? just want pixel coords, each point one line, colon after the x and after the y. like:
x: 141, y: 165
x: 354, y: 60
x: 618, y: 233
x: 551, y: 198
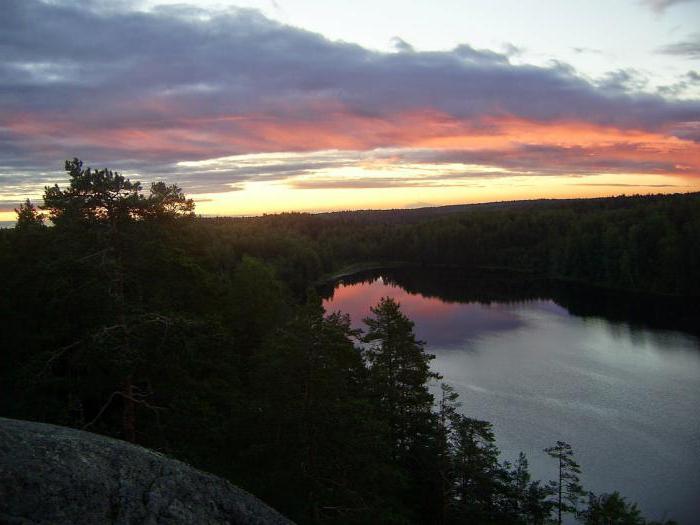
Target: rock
x: 58, y: 475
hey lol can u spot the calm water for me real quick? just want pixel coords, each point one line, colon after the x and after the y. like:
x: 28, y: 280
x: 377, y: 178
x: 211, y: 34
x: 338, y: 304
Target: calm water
x: 623, y: 394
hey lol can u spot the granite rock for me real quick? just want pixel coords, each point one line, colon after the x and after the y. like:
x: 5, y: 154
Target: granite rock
x: 58, y: 475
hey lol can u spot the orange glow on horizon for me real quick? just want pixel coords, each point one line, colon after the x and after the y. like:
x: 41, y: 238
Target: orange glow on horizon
x: 502, y: 158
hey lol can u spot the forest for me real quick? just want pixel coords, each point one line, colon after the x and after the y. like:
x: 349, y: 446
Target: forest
x: 123, y: 313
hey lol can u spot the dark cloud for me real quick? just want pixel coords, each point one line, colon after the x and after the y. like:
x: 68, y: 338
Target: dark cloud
x: 524, y: 161
x: 400, y: 45
x: 623, y: 80
x: 8, y: 205
x: 111, y: 66
x: 661, y: 5
x: 144, y: 90
x: 549, y: 160
x: 689, y: 48
x: 687, y: 81
x: 426, y: 168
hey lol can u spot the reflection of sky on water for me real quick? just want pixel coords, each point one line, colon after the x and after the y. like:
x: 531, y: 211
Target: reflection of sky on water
x: 626, y: 399
x: 441, y: 324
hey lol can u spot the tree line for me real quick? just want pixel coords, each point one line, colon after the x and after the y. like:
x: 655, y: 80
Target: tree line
x: 205, y: 339
x: 647, y: 244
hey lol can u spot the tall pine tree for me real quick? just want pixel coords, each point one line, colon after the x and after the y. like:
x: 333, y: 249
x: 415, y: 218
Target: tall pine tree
x: 568, y: 486
x: 399, y: 373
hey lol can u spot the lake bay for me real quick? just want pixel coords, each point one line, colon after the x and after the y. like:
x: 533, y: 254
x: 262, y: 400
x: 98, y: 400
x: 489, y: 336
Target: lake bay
x: 619, y: 382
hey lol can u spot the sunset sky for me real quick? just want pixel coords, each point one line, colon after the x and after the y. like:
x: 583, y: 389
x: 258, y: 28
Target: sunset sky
x: 281, y: 105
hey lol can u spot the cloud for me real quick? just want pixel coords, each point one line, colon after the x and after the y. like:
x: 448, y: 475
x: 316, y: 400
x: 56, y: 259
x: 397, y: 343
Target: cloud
x: 623, y: 80
x: 148, y: 91
x: 623, y: 185
x: 689, y: 48
x: 686, y: 82
x: 581, y: 50
x: 425, y: 167
x: 418, y: 204
x: 9, y: 205
x: 400, y: 45
x: 511, y: 50
x: 660, y: 6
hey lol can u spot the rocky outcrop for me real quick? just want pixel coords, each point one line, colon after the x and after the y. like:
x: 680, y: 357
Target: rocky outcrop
x: 57, y: 475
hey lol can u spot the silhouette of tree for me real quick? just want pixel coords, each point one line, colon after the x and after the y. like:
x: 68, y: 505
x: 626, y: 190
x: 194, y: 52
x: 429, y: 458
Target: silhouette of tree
x: 28, y: 217
x: 476, y: 470
x: 107, y: 197
x: 167, y: 203
x: 93, y: 196
x: 611, y: 509
x: 110, y: 203
x: 202, y: 333
x: 568, y: 487
x: 446, y: 415
x: 399, y: 372
x: 526, y: 501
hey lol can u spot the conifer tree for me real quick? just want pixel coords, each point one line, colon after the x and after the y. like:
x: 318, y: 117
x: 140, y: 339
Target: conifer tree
x: 317, y: 435
x: 476, y: 468
x: 93, y: 196
x: 101, y: 207
x: 611, y: 509
x: 400, y: 374
x: 446, y: 415
x: 28, y: 217
x: 568, y: 487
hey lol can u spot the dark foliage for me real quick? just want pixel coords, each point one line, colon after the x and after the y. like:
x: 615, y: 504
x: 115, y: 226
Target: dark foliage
x: 202, y: 338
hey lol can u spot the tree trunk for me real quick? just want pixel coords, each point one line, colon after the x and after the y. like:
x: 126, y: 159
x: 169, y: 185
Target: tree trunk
x: 559, y: 506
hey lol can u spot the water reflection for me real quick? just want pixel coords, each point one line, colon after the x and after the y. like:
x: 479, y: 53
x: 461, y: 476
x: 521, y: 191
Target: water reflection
x: 449, y: 285
x: 543, y: 363
x: 441, y: 323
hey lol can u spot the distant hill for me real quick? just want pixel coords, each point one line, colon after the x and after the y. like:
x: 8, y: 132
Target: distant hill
x: 429, y: 212
x: 622, y: 201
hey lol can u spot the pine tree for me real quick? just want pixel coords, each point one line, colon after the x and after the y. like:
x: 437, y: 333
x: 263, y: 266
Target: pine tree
x: 93, y: 197
x: 400, y: 374
x: 477, y: 471
x: 526, y: 501
x: 447, y: 413
x: 316, y: 435
x: 611, y: 509
x: 28, y: 217
x: 167, y: 203
x: 568, y: 487
x: 102, y: 207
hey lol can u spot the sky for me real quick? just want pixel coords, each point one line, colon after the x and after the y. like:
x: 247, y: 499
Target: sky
x: 262, y: 106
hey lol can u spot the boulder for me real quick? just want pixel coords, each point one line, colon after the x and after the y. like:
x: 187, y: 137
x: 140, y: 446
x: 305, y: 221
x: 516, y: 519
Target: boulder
x: 58, y: 475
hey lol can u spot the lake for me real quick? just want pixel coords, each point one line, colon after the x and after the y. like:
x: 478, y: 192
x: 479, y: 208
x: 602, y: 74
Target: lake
x: 616, y: 376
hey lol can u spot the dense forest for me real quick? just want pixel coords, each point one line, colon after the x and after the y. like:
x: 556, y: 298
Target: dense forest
x: 206, y: 339
x: 641, y: 243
